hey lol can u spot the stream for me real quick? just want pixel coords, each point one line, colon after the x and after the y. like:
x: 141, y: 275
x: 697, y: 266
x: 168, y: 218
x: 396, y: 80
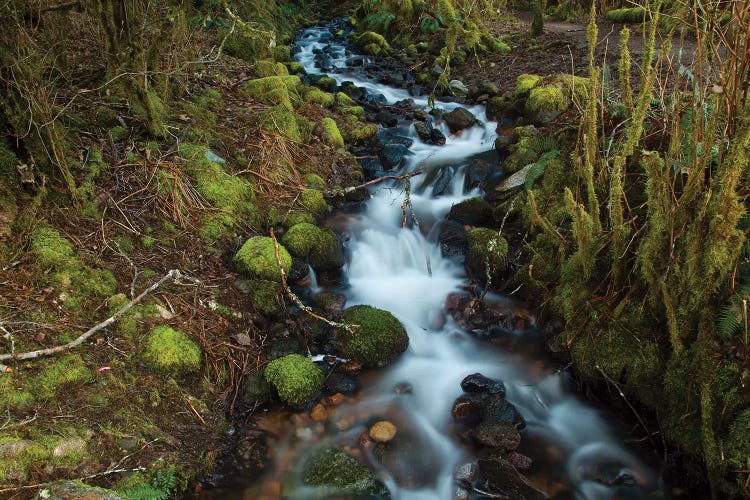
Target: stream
x: 402, y: 270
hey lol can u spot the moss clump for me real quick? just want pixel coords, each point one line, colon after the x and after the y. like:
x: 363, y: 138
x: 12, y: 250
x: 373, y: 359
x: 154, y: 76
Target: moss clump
x: 247, y: 43
x: 119, y: 133
x: 524, y: 84
x: 52, y: 251
x: 295, y: 378
x: 356, y: 111
x: 280, y: 120
x: 333, y: 473
x: 372, y: 43
x: 257, y: 259
x: 314, y: 181
x: 172, y: 352
x: 296, y: 68
x: 313, y: 202
x: 326, y: 83
x: 331, y: 134
x: 354, y: 130
x: 13, y: 395
x: 344, y: 101
x: 66, y: 372
x: 488, y: 254
x: 275, y: 90
x: 25, y: 455
x: 320, y: 246
x: 269, y: 68
x: 626, y: 15
x: 378, y: 340
x: 546, y: 103
x: 266, y: 297
x: 319, y: 97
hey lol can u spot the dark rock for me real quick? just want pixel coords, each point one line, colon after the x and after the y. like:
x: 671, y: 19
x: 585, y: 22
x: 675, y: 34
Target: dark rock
x: 352, y: 90
x: 476, y: 383
x: 394, y: 136
x: 454, y: 240
x: 472, y: 212
x: 441, y: 181
x: 476, y: 173
x: 424, y: 131
x: 386, y: 118
x: 420, y: 114
x: 459, y: 119
x: 520, y: 462
x: 503, y: 477
x: 392, y: 155
x: 338, y: 382
x: 466, y: 410
x: 437, y: 137
x: 466, y: 473
x: 503, y: 142
x: 336, y: 474
x: 496, y: 408
x: 331, y: 303
x: 416, y: 90
x: 255, y: 389
x: 403, y: 388
x: 284, y: 346
x: 497, y: 435
x: 298, y: 271
x: 372, y: 98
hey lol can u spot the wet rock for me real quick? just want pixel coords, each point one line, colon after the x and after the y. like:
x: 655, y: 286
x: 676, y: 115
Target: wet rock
x: 403, y: 388
x: 298, y: 271
x: 442, y: 180
x: 420, y: 114
x: 334, y: 399
x: 392, y: 155
x: 284, y: 346
x: 467, y: 411
x: 435, y: 319
x: 503, y: 477
x: 333, y: 473
x: 340, y: 383
x: 496, y: 408
x: 75, y: 490
x: 476, y: 383
x: 461, y: 494
x: 383, y: 431
x: 457, y: 87
x: 352, y: 366
x: 331, y: 303
x: 459, y: 119
x: 503, y: 142
x: 454, y: 240
x: 476, y: 174
x: 379, y: 339
x: 466, y: 473
x: 424, y: 130
x: 319, y: 413
x: 512, y: 184
x: 386, y: 118
x: 437, y: 137
x: 472, y: 212
x: 496, y: 434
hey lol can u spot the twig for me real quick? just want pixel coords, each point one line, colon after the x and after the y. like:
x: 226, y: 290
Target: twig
x: 180, y: 139
x: 307, y: 309
x: 173, y: 275
x: 351, y: 189
x: 190, y: 403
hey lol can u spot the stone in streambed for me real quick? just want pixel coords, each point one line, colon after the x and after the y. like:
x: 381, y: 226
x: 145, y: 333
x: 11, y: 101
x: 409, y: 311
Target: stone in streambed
x: 383, y: 431
x: 476, y: 383
x: 321, y: 247
x: 472, y: 212
x: 502, y: 476
x: 459, y: 119
x: 333, y: 474
x: 496, y: 434
x: 424, y: 130
x: 466, y: 410
x: 392, y: 155
x: 340, y: 383
x: 378, y: 340
x: 454, y: 240
x: 295, y: 378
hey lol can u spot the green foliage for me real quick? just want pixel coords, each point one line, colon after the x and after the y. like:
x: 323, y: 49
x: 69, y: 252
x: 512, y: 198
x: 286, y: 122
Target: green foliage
x: 157, y: 484
x: 538, y: 168
x: 379, y: 22
x: 172, y: 352
x: 257, y: 259
x: 378, y: 339
x: 66, y: 372
x: 295, y: 378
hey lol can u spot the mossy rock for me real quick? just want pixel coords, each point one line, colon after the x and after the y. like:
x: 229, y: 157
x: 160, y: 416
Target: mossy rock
x: 295, y: 378
x: 356, y: 111
x: 76, y: 490
x: 269, y: 68
x: 524, y: 84
x: 281, y: 120
x: 326, y: 83
x: 19, y: 457
x: 320, y: 246
x: 626, y: 15
x: 331, y: 134
x: 372, y: 43
x: 296, y: 68
x: 333, y: 474
x: 266, y: 297
x: 319, y: 97
x: 314, y: 181
x: 313, y: 202
x: 246, y: 43
x: 353, y: 130
x: 14, y: 394
x: 344, y: 101
x: 172, y: 352
x: 257, y: 259
x: 275, y: 90
x: 487, y: 254
x: 546, y: 103
x: 378, y: 340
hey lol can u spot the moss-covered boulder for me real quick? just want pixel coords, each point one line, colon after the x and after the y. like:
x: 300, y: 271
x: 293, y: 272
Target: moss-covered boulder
x: 313, y: 202
x: 487, y: 255
x: 344, y: 101
x: 172, y: 352
x: 257, y: 259
x: 321, y: 247
x: 331, y: 134
x: 333, y: 474
x: 266, y: 296
x: 75, y: 490
x: 295, y: 378
x: 546, y: 103
x: 472, y: 212
x: 372, y: 43
x: 319, y: 97
x: 378, y: 339
x: 524, y: 84
x: 269, y: 68
x: 247, y: 43
x: 275, y: 90
x: 354, y: 130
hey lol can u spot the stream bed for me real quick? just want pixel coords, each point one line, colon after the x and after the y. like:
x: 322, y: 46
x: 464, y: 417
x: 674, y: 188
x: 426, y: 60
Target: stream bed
x: 395, y: 262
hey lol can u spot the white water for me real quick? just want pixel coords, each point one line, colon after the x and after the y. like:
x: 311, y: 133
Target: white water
x: 389, y: 270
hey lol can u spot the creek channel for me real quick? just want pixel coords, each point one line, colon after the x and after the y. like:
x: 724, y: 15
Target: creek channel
x: 402, y: 269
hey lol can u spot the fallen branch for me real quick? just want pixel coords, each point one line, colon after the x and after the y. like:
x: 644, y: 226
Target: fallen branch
x: 307, y: 309
x: 351, y: 189
x: 173, y: 275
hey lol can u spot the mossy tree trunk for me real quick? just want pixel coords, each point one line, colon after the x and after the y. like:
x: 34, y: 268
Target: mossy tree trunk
x: 537, y: 24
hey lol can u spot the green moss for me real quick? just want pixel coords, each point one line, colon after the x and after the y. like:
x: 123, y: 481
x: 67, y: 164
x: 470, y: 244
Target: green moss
x: 85, y: 284
x: 52, y: 251
x: 626, y: 15
x: 296, y: 68
x: 335, y: 474
x: 331, y: 134
x: 119, y: 133
x: 320, y: 246
x: 172, y: 352
x: 257, y: 259
x: 356, y: 111
x: 488, y: 252
x: 295, y: 378
x: 295, y: 217
x: 266, y: 296
x: 41, y: 451
x: 317, y: 96
x: 378, y: 340
x: 282, y: 53
x: 326, y: 83
x: 344, y: 101
x: 124, y: 244
x: 269, y: 68
x: 275, y: 90
x: 313, y: 202
x: 13, y: 395
x: 372, y: 43
x: 314, y: 181
x: 280, y: 120
x: 247, y: 43
x: 545, y: 103
x: 8, y: 162
x: 354, y: 131
x: 524, y: 84
x: 147, y: 242
x: 69, y: 372
x: 217, y: 227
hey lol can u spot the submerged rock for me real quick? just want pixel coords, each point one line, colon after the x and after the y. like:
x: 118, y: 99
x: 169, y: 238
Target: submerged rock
x: 334, y: 474
x: 383, y: 431
x: 503, y: 477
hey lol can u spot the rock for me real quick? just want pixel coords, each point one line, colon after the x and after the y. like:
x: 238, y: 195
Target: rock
x: 403, y: 388
x: 503, y: 142
x: 476, y: 174
x: 440, y: 179
x: 340, y: 383
x: 295, y: 378
x: 457, y: 87
x: 454, y: 240
x: 503, y: 477
x: 497, y: 434
x: 321, y: 247
x: 386, y: 118
x: 520, y: 462
x: 284, y: 346
x: 467, y: 411
x: 255, y: 389
x: 333, y: 473
x: 472, y: 212
x: 477, y: 383
x: 424, y: 130
x: 437, y: 137
x: 319, y: 413
x: 71, y: 445
x: 420, y: 114
x: 392, y: 155
x: 496, y: 408
x: 379, y: 339
x: 331, y: 303
x: 487, y: 255
x: 383, y: 431
x: 512, y: 184
x: 545, y: 104
x: 75, y: 490
x: 466, y: 473
x: 459, y: 119
x: 334, y: 399
x: 257, y: 259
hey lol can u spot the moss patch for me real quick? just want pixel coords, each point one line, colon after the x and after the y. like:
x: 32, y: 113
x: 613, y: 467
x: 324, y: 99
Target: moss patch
x: 378, y: 340
x: 172, y: 352
x: 320, y: 246
x: 488, y: 254
x: 524, y: 84
x: 269, y: 68
x: 257, y: 259
x: 319, y: 97
x: 275, y: 90
x: 266, y: 296
x: 331, y: 134
x: 336, y: 474
x: 295, y: 378
x: 372, y: 43
x: 69, y: 372
x: 546, y: 103
x: 313, y: 202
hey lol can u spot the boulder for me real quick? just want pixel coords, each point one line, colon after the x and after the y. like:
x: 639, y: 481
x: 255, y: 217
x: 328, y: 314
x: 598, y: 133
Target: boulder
x: 257, y: 259
x: 476, y: 383
x: 392, y: 155
x: 487, y: 255
x: 503, y: 477
x: 472, y: 212
x: 378, y: 340
x: 333, y: 474
x: 296, y: 379
x: 459, y: 119
x: 454, y: 240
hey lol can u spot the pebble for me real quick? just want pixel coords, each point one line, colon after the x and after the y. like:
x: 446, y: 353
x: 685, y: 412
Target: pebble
x: 334, y: 399
x: 319, y: 413
x: 383, y: 431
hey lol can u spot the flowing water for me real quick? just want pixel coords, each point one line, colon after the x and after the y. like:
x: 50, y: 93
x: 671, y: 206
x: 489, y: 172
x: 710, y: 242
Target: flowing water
x: 402, y: 270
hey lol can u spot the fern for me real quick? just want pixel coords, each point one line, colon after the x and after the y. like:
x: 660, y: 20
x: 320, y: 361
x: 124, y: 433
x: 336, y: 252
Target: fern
x: 429, y: 25
x: 537, y: 168
x: 379, y: 22
x: 165, y: 479
x: 144, y: 493
x: 544, y: 143
x: 733, y: 315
